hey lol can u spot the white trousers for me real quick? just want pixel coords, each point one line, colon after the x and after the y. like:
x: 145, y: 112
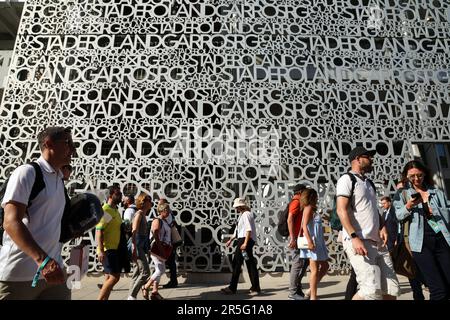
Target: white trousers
x: 160, y: 268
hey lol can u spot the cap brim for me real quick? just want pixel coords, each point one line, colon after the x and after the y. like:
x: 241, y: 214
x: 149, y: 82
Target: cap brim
x: 371, y: 152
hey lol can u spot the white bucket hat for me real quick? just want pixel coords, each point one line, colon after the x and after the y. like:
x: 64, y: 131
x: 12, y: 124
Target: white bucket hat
x: 239, y: 202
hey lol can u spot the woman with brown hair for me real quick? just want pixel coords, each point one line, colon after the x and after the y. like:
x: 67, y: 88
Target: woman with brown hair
x: 140, y: 245
x: 317, y: 252
x: 429, y: 238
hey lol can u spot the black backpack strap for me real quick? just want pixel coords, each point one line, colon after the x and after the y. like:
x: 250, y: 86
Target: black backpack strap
x: 373, y: 185
x: 353, y: 179
x: 38, y: 184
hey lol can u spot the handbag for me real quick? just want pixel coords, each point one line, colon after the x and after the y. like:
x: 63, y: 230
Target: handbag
x: 302, y: 243
x: 162, y: 252
x: 402, y: 256
x: 175, y: 236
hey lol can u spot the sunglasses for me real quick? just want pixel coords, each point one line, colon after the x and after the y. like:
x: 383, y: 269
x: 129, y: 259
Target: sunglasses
x: 415, y: 176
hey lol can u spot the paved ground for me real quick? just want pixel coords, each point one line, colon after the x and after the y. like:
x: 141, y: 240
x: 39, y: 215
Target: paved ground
x: 207, y: 287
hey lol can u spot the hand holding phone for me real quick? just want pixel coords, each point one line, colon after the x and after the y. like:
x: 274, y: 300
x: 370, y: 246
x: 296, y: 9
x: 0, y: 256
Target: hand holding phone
x: 416, y: 196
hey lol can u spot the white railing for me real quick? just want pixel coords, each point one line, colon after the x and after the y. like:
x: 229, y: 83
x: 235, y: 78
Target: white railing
x: 5, y: 61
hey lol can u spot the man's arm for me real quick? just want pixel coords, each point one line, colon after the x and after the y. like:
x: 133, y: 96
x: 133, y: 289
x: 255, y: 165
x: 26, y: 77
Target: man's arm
x: 248, y: 235
x: 293, y: 206
x: 383, y: 230
x: 343, y: 204
x: 21, y: 236
x: 228, y: 243
x: 101, y: 249
x: 19, y: 233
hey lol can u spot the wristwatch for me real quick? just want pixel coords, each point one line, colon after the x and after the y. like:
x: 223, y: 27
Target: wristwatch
x: 353, y: 235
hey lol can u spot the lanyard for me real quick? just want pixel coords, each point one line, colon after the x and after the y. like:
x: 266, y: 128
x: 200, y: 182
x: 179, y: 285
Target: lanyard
x: 39, y: 270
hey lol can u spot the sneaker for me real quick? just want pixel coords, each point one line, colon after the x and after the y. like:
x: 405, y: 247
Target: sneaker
x: 253, y: 291
x: 296, y: 296
x: 170, y: 284
x: 131, y: 298
x: 227, y: 290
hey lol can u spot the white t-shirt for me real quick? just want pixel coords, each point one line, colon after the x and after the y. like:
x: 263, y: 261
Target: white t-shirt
x: 363, y: 209
x: 246, y: 223
x: 44, y: 223
x: 129, y: 213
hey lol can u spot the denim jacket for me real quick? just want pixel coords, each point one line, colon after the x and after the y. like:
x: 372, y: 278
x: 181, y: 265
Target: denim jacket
x: 441, y: 212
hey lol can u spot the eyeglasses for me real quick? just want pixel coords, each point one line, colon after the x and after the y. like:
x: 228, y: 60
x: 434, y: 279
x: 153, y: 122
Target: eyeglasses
x: 415, y: 176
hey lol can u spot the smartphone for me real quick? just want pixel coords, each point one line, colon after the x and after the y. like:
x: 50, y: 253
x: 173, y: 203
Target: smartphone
x: 416, y: 196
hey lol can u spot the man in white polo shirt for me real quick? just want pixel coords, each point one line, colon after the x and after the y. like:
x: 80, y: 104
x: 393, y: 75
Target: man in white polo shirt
x: 30, y: 259
x: 364, y: 236
x: 246, y: 235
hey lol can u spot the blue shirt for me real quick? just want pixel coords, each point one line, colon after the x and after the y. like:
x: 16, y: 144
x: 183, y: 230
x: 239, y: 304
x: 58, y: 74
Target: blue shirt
x: 439, y: 207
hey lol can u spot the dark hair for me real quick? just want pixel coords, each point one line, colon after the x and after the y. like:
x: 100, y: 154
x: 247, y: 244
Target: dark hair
x: 54, y: 133
x: 386, y: 198
x: 299, y: 188
x: 68, y: 167
x: 112, y: 189
x: 415, y: 164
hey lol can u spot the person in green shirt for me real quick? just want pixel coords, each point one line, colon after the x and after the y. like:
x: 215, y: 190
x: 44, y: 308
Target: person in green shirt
x: 108, y: 238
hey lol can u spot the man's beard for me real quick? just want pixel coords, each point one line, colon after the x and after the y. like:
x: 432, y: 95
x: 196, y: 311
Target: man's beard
x: 367, y: 169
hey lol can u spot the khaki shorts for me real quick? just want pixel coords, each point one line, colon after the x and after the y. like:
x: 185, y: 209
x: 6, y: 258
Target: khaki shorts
x: 22, y: 290
x: 375, y: 272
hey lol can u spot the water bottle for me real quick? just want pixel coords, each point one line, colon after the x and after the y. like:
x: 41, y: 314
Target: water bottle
x: 245, y: 254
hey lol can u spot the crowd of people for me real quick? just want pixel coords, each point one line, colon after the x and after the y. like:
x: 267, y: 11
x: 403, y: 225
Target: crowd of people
x: 31, y: 265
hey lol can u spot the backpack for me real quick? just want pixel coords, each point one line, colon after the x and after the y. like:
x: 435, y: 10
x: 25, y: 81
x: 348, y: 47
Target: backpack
x: 282, y: 226
x: 335, y: 222
x: 38, y: 186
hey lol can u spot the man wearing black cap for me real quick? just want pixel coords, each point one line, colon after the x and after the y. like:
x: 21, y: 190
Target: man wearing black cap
x: 299, y: 265
x: 364, y: 236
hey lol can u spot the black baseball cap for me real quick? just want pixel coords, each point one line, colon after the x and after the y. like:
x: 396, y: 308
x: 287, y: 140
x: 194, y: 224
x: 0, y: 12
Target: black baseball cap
x: 299, y: 187
x: 359, y: 151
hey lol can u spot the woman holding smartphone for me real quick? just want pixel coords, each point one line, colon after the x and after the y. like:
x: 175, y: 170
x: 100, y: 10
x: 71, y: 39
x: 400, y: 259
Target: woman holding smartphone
x: 429, y: 236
